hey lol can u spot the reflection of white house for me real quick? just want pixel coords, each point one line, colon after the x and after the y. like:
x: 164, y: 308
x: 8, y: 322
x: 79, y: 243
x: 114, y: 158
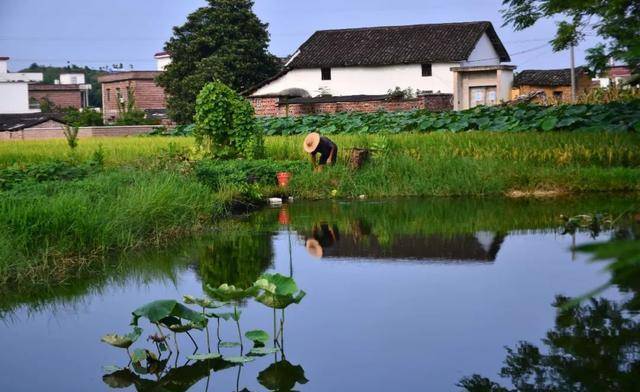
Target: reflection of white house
x: 14, y: 89
x: 463, y: 59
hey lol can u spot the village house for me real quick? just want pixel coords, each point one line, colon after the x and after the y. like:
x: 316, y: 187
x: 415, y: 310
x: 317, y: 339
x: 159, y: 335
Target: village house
x: 14, y: 89
x: 614, y: 75
x: 449, y: 65
x: 69, y: 91
x: 550, y: 84
x: 141, y: 85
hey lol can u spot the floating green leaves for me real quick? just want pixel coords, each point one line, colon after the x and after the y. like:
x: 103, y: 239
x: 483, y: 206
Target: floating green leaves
x: 261, y: 351
x: 239, y: 360
x: 257, y: 336
x: 158, y: 310
x: 278, y: 291
x: 282, y: 376
x: 204, y: 357
x: 229, y: 344
x: 122, y: 341
x: 229, y: 293
x: 204, y: 302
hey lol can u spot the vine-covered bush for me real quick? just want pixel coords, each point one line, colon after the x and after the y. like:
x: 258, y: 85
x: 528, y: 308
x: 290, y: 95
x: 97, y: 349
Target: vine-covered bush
x: 225, y: 125
x: 616, y: 116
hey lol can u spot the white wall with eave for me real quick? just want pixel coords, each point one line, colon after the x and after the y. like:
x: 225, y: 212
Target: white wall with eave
x: 483, y: 54
x: 365, y: 80
x: 14, y: 98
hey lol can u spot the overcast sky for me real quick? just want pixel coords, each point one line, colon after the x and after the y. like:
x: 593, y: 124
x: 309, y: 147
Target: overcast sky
x: 97, y: 33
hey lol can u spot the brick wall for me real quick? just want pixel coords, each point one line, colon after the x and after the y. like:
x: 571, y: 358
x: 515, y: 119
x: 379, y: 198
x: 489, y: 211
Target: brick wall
x: 53, y: 130
x: 147, y: 94
x: 279, y: 107
x: 62, y: 99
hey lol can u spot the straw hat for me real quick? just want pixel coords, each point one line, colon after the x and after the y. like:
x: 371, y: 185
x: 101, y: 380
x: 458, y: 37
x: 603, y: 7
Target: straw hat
x: 314, y: 248
x: 311, y: 142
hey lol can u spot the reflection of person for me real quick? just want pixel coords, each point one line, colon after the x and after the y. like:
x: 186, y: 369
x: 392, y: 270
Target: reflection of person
x: 322, y: 237
x: 315, y: 144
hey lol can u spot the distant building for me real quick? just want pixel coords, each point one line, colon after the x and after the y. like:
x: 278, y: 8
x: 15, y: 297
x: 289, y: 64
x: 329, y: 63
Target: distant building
x: 614, y: 75
x: 70, y: 90
x: 463, y: 60
x: 141, y: 85
x: 552, y: 84
x: 14, y: 89
x: 162, y: 60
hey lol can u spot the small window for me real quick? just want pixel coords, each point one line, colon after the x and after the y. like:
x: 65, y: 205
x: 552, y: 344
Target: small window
x: 557, y: 95
x: 426, y: 70
x: 108, y: 94
x: 326, y: 73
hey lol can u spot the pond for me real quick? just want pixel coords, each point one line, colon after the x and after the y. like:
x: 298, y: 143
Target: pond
x: 400, y: 295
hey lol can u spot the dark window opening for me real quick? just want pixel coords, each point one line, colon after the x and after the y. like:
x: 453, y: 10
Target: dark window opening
x: 326, y: 73
x: 108, y: 94
x: 426, y: 69
x: 557, y: 95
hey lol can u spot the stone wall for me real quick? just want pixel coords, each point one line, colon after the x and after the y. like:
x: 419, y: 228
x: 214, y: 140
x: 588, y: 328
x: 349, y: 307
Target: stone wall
x: 282, y: 106
x: 54, y: 131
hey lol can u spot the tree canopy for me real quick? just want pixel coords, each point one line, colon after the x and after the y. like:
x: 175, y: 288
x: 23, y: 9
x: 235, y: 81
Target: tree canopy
x: 223, y: 41
x: 617, y: 22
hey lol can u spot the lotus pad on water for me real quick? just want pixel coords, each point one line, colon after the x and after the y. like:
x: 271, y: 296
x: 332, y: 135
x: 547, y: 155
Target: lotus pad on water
x: 257, y: 336
x: 158, y: 310
x: 228, y: 293
x: 278, y: 291
x: 204, y: 302
x: 122, y: 341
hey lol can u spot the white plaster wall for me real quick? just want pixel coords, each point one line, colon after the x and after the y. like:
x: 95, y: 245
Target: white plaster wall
x: 483, y: 53
x: 365, y: 80
x: 3, y: 67
x: 67, y: 78
x: 162, y: 62
x: 14, y: 98
x: 505, y: 83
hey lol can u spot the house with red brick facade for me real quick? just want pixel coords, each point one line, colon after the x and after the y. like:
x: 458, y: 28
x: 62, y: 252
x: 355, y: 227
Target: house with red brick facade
x: 118, y: 86
x: 69, y: 91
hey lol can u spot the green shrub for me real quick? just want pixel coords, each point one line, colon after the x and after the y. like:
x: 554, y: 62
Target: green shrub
x: 82, y: 118
x: 217, y: 174
x: 225, y: 124
x: 43, y: 172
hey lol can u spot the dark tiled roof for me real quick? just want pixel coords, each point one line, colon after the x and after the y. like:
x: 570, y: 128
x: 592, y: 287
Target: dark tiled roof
x: 391, y: 45
x: 16, y: 122
x: 544, y: 77
x: 128, y: 75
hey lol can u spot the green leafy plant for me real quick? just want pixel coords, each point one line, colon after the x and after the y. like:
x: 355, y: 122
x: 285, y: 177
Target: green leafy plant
x: 225, y: 125
x: 123, y: 341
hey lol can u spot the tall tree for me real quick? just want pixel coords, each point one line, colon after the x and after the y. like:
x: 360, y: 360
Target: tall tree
x: 223, y: 41
x: 617, y: 22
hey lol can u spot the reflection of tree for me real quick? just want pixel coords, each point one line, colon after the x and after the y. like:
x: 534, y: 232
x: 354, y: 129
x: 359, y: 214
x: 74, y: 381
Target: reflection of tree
x: 236, y: 258
x: 594, y: 347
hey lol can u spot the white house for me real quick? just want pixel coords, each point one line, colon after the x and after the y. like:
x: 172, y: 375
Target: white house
x: 431, y: 58
x: 162, y: 60
x: 14, y: 89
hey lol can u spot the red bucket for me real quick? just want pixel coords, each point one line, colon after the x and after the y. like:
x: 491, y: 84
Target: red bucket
x: 283, y: 179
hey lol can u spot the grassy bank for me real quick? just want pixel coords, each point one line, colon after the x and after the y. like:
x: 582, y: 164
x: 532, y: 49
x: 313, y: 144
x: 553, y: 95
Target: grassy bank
x: 58, y: 217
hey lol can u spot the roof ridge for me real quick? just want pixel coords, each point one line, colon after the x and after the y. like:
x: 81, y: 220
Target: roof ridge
x: 403, y: 26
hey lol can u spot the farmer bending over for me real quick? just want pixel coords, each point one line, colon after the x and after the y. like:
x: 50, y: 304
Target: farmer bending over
x: 315, y: 144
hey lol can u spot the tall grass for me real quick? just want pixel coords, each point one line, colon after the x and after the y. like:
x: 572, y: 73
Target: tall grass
x: 117, y: 150
x: 42, y: 225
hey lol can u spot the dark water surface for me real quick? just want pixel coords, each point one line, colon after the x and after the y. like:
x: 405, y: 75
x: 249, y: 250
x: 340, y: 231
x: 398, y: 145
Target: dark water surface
x: 401, y: 295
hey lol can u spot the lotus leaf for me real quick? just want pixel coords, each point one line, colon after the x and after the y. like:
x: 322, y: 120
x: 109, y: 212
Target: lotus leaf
x: 258, y: 336
x: 119, y: 379
x: 203, y: 357
x: 280, y: 301
x: 124, y: 341
x: 229, y: 293
x: 282, y: 376
x: 277, y: 284
x: 158, y: 310
x: 261, y: 351
x: 224, y: 316
x: 140, y: 355
x: 203, y: 302
x: 239, y: 360
x: 229, y: 344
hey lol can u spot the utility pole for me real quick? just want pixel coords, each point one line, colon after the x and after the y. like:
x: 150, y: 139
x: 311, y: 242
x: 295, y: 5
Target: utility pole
x: 573, y: 75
